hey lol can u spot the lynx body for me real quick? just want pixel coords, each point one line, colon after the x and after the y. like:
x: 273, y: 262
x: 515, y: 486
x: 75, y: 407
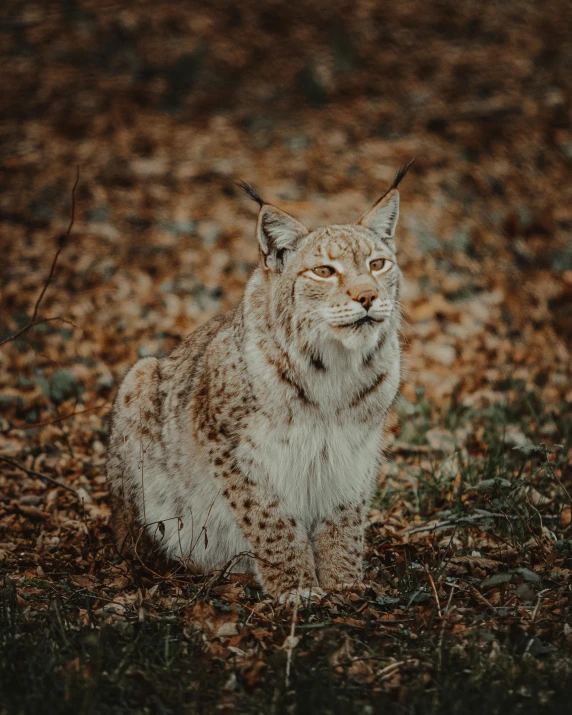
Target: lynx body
x: 256, y: 445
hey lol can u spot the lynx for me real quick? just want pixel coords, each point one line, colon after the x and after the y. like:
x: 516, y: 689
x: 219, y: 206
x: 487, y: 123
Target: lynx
x: 255, y: 446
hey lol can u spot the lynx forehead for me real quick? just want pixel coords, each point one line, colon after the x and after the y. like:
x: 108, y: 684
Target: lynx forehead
x: 256, y: 444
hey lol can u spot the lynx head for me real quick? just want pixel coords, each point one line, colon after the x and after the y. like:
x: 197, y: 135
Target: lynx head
x: 337, y: 285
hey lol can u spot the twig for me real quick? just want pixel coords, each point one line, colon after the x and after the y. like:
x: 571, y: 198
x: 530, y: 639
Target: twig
x: 538, y: 600
x: 62, y: 240
x: 292, y: 638
x: 435, y: 594
x: 62, y: 418
x: 467, y: 520
x: 33, y: 473
x: 442, y: 631
x: 390, y: 669
x: 226, y: 569
x: 453, y: 587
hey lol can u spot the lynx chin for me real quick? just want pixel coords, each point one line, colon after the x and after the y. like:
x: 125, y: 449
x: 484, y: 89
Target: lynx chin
x: 256, y: 444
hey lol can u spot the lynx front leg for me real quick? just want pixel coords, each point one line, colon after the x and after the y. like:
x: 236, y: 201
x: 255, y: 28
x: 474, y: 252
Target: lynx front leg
x: 338, y: 547
x: 285, y: 561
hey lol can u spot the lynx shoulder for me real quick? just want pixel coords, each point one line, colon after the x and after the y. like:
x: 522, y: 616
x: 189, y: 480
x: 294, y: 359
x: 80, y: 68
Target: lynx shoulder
x: 258, y: 441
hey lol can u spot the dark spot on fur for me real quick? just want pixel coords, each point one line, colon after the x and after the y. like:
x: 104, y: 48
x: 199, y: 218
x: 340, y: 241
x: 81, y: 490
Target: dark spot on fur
x: 316, y: 363
x: 366, y: 391
x: 368, y: 359
x: 295, y: 386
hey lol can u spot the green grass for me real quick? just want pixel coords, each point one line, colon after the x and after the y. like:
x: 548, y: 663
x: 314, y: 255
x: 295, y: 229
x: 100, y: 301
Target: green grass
x: 60, y: 653
x: 54, y: 663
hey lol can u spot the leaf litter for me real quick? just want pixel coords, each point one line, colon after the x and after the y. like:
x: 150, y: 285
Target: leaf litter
x: 469, y: 557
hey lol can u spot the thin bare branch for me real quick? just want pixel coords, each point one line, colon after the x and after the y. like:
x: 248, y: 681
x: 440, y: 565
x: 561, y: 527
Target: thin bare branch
x: 39, y: 475
x: 62, y: 240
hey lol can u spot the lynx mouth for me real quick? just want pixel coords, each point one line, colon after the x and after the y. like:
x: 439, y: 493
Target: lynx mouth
x: 366, y: 320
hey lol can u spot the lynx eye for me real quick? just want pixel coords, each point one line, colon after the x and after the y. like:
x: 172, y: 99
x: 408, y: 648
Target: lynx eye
x: 324, y: 271
x: 380, y: 265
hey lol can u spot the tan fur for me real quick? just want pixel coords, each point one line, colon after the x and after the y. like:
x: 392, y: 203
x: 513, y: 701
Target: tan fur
x: 257, y: 443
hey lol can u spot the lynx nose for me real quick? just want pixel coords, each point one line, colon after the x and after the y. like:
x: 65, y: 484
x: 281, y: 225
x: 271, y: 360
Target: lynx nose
x: 363, y: 294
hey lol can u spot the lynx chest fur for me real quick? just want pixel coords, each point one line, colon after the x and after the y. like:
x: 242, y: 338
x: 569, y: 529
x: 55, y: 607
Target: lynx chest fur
x: 256, y: 444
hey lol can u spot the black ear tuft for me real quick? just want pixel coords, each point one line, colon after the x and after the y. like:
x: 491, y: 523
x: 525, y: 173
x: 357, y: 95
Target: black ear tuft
x: 401, y: 173
x: 398, y: 178
x: 251, y: 191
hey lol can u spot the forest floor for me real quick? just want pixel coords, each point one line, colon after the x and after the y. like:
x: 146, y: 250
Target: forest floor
x: 469, y: 556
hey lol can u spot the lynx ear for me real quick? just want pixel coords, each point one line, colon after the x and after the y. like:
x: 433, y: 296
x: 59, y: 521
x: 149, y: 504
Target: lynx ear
x: 382, y: 217
x: 277, y: 233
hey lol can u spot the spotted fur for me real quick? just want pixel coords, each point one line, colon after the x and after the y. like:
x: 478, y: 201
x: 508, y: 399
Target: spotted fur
x: 256, y: 444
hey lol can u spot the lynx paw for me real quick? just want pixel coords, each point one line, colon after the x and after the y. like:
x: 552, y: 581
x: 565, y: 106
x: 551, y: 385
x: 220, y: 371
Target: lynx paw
x: 330, y: 584
x: 303, y: 595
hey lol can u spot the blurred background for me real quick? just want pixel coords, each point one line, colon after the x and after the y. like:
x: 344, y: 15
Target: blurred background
x: 164, y: 105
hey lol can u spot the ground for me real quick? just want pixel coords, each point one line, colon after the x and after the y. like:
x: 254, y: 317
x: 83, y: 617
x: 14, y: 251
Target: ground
x: 162, y: 107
